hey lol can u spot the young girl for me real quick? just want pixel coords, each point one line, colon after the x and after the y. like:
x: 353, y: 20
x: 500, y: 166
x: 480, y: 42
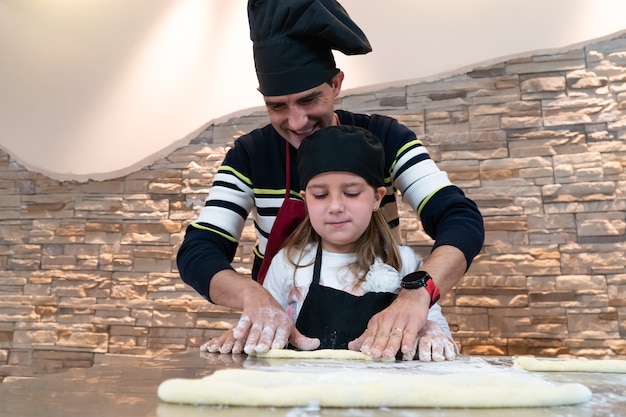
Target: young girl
x: 341, y: 265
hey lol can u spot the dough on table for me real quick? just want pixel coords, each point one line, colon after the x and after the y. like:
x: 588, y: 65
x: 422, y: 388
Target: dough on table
x: 570, y: 365
x: 342, y: 354
x: 370, y: 388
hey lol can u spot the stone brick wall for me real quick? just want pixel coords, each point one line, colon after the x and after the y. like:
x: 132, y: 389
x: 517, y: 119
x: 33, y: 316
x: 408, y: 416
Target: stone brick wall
x: 539, y: 143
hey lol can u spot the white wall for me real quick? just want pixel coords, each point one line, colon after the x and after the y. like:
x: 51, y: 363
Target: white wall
x: 97, y: 89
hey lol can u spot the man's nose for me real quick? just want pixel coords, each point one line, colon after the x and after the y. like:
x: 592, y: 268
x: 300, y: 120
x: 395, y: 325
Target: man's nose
x: 298, y: 118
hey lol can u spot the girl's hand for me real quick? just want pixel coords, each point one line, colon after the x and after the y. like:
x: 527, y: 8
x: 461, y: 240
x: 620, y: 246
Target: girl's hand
x: 434, y: 344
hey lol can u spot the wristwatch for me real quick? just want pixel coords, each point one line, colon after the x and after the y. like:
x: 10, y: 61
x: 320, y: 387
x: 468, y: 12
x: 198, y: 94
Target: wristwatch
x: 419, y: 279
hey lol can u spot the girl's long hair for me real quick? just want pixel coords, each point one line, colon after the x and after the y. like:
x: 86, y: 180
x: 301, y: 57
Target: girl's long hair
x: 376, y: 241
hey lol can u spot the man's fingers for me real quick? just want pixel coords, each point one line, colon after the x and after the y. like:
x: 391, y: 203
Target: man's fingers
x: 266, y: 339
x: 238, y: 346
x: 253, y: 339
x: 243, y: 326
x: 227, y: 344
x: 270, y: 328
x: 222, y: 344
x: 281, y: 337
x: 392, y: 341
x: 270, y: 335
x: 206, y: 347
x: 396, y: 332
x: 409, y: 344
x: 410, y: 354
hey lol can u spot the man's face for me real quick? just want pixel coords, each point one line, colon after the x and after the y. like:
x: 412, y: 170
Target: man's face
x: 296, y: 116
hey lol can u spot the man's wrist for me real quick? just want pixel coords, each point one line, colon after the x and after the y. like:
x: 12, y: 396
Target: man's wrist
x: 421, y: 279
x: 419, y: 296
x: 234, y: 290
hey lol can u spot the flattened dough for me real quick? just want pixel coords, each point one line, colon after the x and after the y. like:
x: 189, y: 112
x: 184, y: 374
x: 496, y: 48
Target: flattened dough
x: 368, y: 388
x: 342, y: 354
x: 570, y: 365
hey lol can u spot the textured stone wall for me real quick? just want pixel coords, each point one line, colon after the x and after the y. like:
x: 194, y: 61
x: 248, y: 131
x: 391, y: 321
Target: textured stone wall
x: 539, y: 143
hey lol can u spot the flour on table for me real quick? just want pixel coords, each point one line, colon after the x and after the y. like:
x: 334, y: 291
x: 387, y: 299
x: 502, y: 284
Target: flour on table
x: 342, y: 354
x: 371, y: 388
x: 570, y: 365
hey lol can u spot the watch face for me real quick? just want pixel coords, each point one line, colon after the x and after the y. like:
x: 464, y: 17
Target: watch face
x: 415, y: 280
x: 415, y: 276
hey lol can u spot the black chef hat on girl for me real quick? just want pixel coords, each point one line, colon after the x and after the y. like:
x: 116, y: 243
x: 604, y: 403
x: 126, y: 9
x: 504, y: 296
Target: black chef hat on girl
x: 342, y: 148
x: 293, y: 42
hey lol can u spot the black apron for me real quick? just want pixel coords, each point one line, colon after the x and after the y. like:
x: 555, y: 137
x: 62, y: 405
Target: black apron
x: 334, y: 316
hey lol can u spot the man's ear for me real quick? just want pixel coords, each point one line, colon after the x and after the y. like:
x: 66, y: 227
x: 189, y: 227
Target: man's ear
x: 336, y: 83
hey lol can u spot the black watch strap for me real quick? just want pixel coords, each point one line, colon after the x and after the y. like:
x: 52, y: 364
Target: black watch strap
x: 421, y: 279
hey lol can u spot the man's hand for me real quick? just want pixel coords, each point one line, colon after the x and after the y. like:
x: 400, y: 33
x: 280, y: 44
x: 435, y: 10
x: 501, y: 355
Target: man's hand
x: 398, y: 326
x: 259, y: 329
x: 263, y: 328
x: 263, y: 325
x: 395, y: 328
x: 228, y: 343
x: 225, y: 343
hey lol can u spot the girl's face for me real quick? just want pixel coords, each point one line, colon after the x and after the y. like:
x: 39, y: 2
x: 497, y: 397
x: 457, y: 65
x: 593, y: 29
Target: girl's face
x: 340, y: 207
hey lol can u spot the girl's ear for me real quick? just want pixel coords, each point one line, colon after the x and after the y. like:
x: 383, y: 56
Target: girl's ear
x: 379, y: 193
x: 303, y: 194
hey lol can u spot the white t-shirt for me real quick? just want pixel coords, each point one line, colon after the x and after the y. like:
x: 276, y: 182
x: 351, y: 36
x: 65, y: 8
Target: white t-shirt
x: 291, y: 293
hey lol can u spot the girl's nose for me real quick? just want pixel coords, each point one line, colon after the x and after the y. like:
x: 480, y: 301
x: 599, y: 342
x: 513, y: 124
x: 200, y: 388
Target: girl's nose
x: 336, y: 204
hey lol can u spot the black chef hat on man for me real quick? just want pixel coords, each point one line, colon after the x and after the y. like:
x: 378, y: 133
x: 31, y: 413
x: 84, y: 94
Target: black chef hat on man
x: 293, y: 42
x: 344, y: 148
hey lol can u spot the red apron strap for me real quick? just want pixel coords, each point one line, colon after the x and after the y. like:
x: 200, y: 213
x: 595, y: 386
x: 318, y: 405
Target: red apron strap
x: 290, y: 215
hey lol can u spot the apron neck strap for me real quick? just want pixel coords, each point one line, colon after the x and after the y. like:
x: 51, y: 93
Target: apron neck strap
x: 287, y: 171
x: 317, y: 267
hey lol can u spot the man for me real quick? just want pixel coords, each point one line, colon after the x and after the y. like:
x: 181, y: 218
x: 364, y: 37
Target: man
x: 292, y: 44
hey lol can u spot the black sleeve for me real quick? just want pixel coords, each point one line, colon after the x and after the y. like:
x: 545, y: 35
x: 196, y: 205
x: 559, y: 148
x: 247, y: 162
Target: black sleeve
x: 200, y: 256
x: 450, y: 218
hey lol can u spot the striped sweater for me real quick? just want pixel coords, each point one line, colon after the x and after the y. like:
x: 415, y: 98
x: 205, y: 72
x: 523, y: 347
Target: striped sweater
x: 251, y: 181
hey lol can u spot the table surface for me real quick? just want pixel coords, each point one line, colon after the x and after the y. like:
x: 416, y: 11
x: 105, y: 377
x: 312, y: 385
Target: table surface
x: 126, y: 386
